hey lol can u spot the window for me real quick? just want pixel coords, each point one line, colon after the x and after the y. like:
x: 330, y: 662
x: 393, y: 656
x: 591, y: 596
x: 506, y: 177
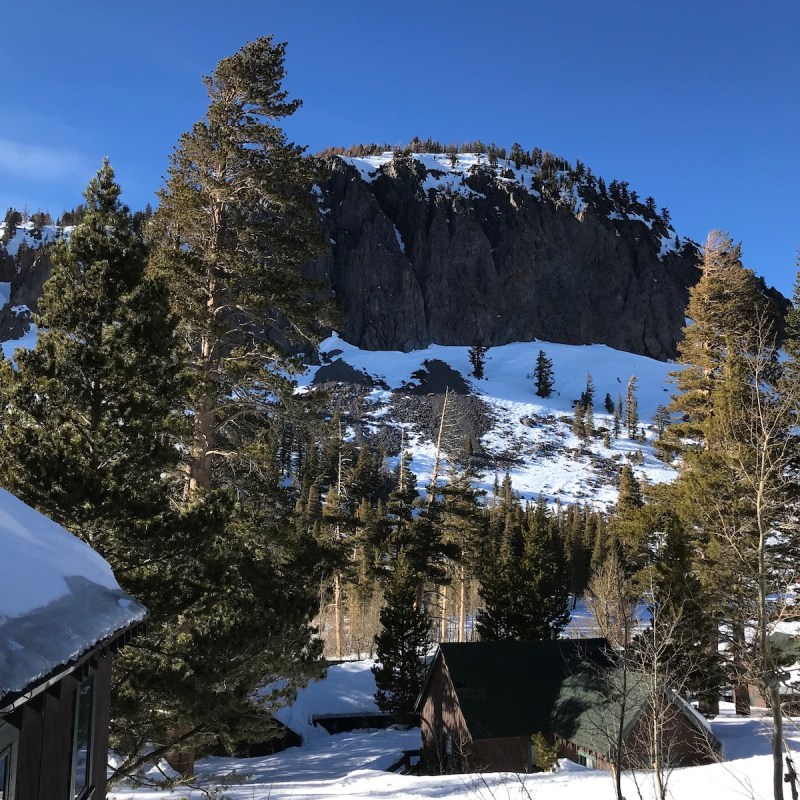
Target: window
x: 585, y: 760
x: 82, y: 739
x: 8, y: 761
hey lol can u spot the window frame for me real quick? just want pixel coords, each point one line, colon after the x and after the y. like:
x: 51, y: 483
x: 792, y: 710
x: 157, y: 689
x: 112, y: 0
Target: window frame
x: 9, y: 737
x: 88, y: 789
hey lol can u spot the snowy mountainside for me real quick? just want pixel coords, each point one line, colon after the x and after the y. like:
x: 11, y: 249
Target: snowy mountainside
x: 28, y: 235
x: 527, y: 436
x: 24, y: 266
x: 446, y: 176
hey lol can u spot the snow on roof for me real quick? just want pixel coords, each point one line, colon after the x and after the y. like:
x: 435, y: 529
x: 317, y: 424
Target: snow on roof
x: 58, y: 597
x: 347, y: 688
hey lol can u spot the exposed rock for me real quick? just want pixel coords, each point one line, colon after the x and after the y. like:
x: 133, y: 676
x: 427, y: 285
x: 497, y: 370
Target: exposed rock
x: 436, y: 378
x: 410, y: 268
x: 27, y: 274
x: 341, y: 372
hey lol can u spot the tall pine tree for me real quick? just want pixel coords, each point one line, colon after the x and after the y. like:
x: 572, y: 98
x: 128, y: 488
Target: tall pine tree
x: 234, y: 227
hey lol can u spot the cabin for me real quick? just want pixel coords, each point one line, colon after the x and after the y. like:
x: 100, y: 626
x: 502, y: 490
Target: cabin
x: 62, y: 617
x: 482, y: 701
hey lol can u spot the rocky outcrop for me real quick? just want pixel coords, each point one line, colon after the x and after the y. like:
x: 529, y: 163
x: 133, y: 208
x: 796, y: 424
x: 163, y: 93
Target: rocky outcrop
x: 26, y: 273
x: 492, y: 262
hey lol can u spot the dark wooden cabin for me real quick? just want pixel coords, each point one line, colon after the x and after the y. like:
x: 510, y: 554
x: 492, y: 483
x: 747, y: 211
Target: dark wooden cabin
x: 62, y: 617
x: 482, y: 701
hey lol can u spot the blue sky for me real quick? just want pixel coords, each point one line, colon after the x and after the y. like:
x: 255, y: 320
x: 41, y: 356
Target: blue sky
x: 696, y: 103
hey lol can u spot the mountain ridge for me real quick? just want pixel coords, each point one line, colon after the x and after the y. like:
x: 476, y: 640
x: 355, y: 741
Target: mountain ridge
x: 430, y: 248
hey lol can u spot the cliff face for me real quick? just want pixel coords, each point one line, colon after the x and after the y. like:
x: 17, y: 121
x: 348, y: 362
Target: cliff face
x: 422, y: 254
x: 25, y: 275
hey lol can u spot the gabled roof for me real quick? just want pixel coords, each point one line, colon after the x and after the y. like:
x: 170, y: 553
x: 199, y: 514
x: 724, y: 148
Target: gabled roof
x: 58, y: 598
x: 590, y: 705
x: 566, y: 687
x: 510, y: 688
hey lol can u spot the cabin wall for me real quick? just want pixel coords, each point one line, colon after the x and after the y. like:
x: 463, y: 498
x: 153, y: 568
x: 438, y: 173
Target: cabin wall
x: 683, y: 744
x: 440, y: 713
x: 509, y: 754
x: 45, y: 736
x: 572, y: 751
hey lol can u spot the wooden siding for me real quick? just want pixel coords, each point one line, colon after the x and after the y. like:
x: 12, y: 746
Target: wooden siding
x: 440, y: 714
x: 570, y: 750
x: 45, y: 734
x: 684, y: 745
x: 501, y: 755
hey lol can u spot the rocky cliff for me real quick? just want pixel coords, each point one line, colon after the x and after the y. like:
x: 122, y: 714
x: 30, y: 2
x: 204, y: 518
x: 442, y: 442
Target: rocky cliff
x: 423, y: 250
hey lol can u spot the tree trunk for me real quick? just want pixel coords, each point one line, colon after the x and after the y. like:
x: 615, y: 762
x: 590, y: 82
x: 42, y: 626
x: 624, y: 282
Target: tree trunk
x: 182, y: 761
x: 462, y: 606
x: 337, y: 615
x: 777, y: 739
x: 443, y: 618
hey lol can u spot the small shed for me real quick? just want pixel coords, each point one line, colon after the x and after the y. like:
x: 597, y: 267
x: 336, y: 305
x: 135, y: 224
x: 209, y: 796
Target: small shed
x: 62, y: 616
x: 482, y: 701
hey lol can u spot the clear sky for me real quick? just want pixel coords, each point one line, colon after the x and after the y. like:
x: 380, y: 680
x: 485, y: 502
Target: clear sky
x: 696, y: 102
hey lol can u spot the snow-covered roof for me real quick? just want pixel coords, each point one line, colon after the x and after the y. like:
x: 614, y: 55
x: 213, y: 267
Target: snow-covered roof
x: 58, y: 597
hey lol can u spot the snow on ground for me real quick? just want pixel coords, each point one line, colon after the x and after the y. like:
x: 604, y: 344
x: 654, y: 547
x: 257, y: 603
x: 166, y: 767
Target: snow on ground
x: 352, y: 765
x: 349, y: 765
x: 554, y: 463
x: 583, y: 625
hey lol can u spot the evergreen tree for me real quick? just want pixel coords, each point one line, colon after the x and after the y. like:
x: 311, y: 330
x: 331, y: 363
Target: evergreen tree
x: 724, y: 306
x: 588, y: 423
x: 83, y: 442
x: 461, y: 523
x: 732, y: 493
x: 587, y: 395
x: 90, y: 422
x: 630, y: 493
x: 618, y: 416
x: 608, y: 404
x: 631, y: 408
x: 402, y: 644
x: 578, y: 420
x: 234, y: 226
x: 524, y: 582
x: 477, y: 358
x: 543, y: 375
x: 11, y: 220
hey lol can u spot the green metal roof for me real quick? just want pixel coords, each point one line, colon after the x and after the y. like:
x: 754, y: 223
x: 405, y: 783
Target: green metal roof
x: 566, y: 687
x: 511, y: 688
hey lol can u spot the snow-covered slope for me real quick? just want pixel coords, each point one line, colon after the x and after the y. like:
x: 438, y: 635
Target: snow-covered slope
x: 26, y: 234
x: 546, y: 457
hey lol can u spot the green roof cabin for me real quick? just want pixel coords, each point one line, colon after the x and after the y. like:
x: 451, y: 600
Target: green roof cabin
x: 482, y: 702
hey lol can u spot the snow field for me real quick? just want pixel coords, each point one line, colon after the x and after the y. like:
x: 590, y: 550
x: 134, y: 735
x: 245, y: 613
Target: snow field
x: 554, y: 462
